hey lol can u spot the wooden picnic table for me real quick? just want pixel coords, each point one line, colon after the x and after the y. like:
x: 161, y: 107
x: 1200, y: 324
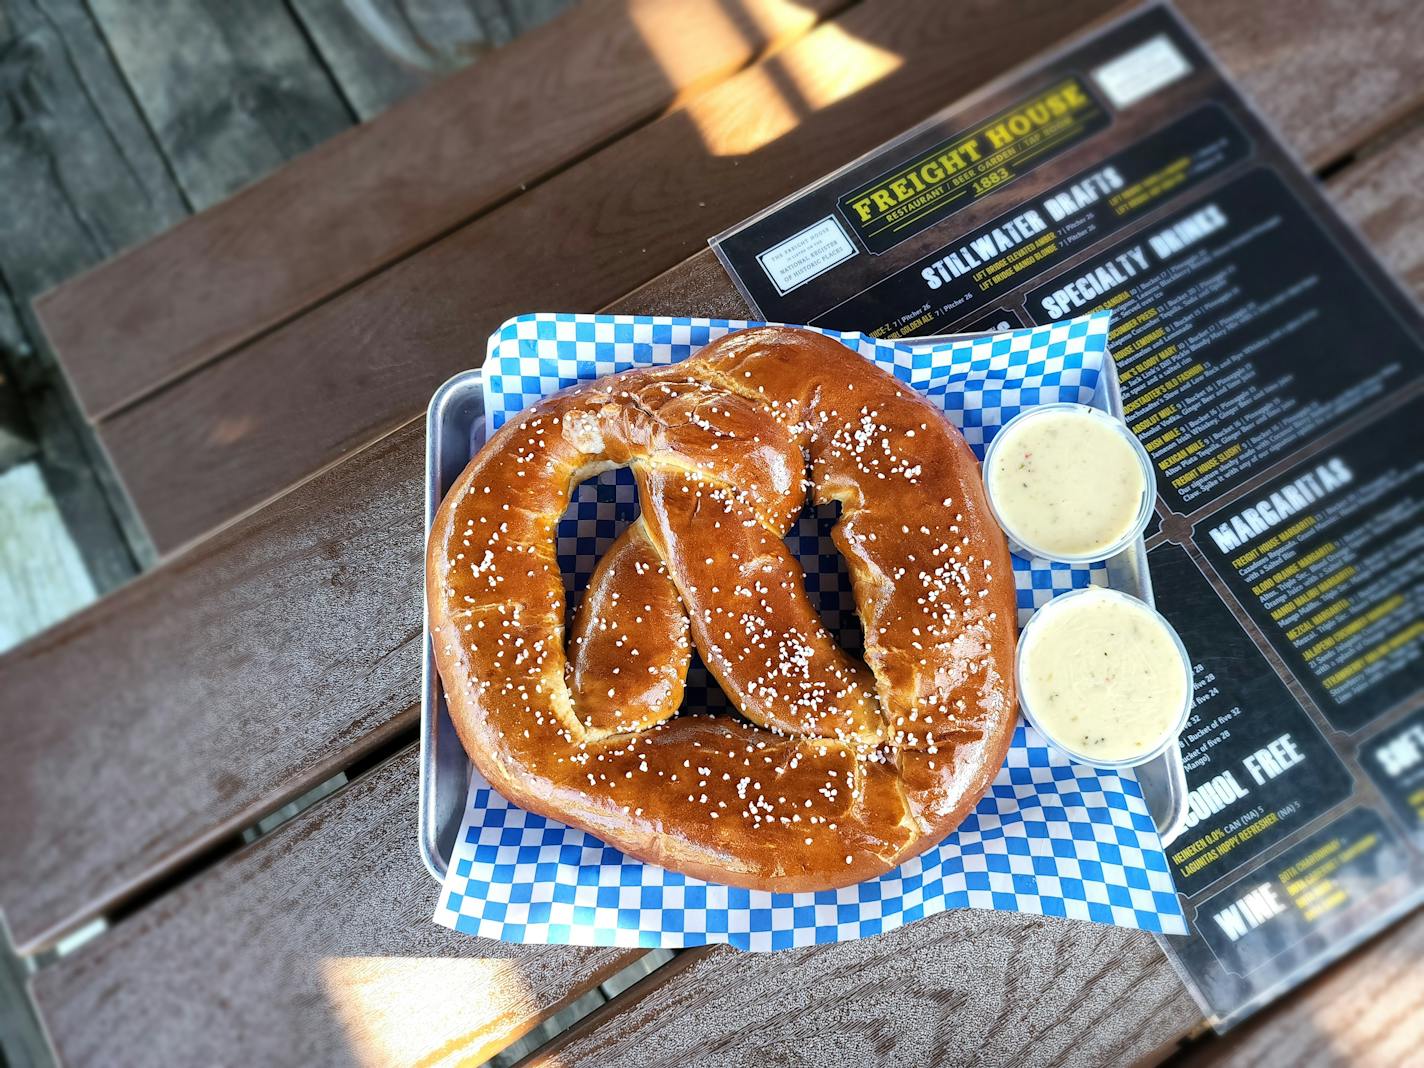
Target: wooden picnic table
x: 257, y: 375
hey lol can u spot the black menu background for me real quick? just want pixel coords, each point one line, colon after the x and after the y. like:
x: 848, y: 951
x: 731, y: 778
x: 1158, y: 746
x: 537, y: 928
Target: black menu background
x: 1242, y: 707
x: 1337, y: 586
x: 1275, y: 373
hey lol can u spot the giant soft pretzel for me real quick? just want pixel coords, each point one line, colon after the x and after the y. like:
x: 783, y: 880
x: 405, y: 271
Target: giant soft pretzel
x: 839, y: 770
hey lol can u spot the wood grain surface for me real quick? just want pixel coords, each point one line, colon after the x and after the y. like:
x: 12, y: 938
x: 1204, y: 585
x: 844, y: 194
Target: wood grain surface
x: 230, y: 89
x: 371, y: 76
x: 368, y: 197
x: 203, y: 695
x: 269, y: 959
x: 1379, y: 192
x: 955, y: 988
x: 81, y: 177
x: 16, y: 438
x: 367, y: 360
x: 1328, y: 74
x: 73, y: 149
x: 42, y: 576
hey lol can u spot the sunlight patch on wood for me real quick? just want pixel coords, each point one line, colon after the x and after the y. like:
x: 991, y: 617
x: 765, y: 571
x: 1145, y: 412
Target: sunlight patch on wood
x: 427, y: 1012
x: 719, y: 27
x: 767, y: 101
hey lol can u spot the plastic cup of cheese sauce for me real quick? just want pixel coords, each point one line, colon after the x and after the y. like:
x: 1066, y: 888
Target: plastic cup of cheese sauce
x: 1104, y: 678
x: 1069, y: 483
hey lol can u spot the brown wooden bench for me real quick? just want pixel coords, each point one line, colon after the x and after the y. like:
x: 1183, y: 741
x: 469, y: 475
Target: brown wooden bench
x: 284, y: 649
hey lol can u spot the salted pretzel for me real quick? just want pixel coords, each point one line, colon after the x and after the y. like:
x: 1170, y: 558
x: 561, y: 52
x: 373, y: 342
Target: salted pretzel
x: 837, y: 770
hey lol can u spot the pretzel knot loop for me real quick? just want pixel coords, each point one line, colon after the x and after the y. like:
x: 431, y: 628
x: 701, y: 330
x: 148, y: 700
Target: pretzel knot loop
x: 837, y: 769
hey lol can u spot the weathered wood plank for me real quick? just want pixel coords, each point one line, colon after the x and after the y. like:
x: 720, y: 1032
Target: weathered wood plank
x: 16, y: 438
x: 367, y: 360
x: 22, y: 1040
x: 371, y: 78
x: 284, y: 919
x: 231, y: 89
x: 1367, y: 1010
x: 84, y: 488
x: 201, y: 696
x: 12, y: 334
x: 955, y: 988
x: 1380, y: 193
x: 80, y: 178
x: 368, y: 197
x: 1327, y: 73
x: 81, y: 174
x: 314, y: 946
x: 498, y: 21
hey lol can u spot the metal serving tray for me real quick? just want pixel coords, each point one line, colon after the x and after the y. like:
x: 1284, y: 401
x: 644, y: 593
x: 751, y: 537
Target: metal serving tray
x: 1164, y: 780
x: 455, y: 430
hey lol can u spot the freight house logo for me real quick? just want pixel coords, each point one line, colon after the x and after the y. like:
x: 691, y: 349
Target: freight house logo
x: 934, y: 183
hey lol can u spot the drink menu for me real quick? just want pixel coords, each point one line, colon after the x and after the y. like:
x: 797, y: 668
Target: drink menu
x: 1275, y: 374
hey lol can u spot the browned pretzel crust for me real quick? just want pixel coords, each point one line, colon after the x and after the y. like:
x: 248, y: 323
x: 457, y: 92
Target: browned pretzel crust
x: 840, y: 770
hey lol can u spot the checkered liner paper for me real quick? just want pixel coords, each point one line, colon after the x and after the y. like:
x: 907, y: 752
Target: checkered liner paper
x: 1050, y: 837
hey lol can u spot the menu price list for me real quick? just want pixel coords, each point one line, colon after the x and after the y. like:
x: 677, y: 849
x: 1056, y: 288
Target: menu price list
x: 1241, y: 332
x: 1295, y: 909
x: 1284, y: 862
x: 1257, y: 767
x: 1328, y: 560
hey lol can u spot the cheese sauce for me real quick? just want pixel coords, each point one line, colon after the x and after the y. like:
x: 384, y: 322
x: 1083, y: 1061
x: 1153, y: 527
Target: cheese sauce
x: 1066, y: 482
x: 1103, y: 676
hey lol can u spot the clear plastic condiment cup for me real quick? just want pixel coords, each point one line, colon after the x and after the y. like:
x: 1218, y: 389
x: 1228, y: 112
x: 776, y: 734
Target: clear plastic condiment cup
x: 1025, y: 546
x: 1021, y: 654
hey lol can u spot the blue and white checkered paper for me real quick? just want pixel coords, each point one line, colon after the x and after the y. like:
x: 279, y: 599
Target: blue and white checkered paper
x: 1050, y: 837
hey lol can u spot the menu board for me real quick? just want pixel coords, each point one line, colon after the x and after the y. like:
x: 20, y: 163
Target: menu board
x: 1275, y: 374
x: 1258, y: 766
